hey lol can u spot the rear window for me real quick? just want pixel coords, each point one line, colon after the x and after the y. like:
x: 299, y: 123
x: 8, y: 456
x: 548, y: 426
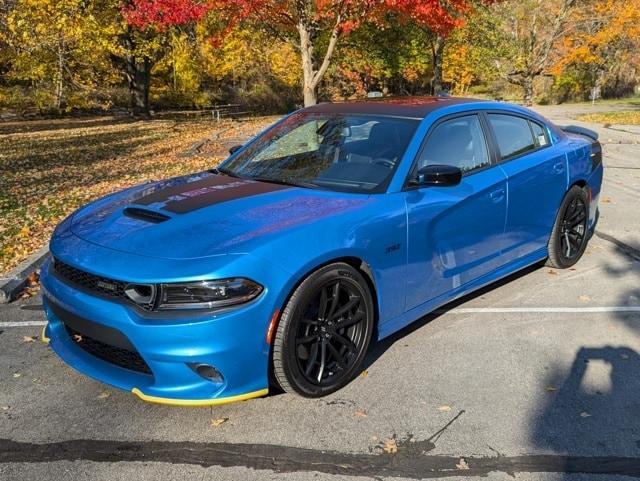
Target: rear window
x: 513, y: 135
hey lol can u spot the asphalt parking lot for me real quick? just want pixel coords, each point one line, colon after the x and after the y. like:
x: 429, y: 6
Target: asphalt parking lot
x: 535, y: 378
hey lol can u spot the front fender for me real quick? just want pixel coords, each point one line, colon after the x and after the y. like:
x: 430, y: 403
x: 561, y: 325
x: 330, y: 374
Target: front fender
x: 375, y: 235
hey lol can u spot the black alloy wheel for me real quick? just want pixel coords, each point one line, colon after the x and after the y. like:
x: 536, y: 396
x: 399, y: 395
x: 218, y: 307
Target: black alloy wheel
x: 574, y: 229
x: 570, y: 233
x: 324, y: 332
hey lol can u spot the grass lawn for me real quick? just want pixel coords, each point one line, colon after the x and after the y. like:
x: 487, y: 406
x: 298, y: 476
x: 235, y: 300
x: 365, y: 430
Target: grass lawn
x: 48, y: 168
x: 624, y: 117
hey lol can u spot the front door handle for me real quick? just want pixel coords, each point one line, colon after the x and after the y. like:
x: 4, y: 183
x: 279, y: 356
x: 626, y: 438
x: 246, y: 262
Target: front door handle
x: 497, y: 195
x: 558, y: 168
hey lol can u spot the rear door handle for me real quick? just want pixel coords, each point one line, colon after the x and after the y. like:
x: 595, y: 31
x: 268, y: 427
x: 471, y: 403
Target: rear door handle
x: 497, y: 195
x: 558, y: 168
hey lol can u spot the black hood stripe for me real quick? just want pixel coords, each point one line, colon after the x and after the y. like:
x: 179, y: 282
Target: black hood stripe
x: 211, y: 190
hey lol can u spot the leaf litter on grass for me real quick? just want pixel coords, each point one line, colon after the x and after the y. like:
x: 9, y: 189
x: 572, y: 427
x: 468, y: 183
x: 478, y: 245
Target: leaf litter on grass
x: 49, y: 168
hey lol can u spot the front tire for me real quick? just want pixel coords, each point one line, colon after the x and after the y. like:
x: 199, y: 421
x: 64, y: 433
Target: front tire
x: 324, y: 332
x: 570, y: 232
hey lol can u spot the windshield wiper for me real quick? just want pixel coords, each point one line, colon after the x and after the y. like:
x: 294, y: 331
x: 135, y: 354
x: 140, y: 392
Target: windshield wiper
x: 223, y: 171
x: 293, y: 183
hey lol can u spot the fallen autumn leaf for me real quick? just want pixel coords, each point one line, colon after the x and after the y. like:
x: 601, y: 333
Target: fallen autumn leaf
x: 390, y: 446
x: 217, y: 422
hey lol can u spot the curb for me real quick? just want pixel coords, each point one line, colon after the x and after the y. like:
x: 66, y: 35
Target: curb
x: 14, y: 281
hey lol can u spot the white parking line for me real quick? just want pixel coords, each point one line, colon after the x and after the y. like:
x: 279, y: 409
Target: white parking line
x: 564, y: 310
x: 22, y: 324
x: 459, y: 310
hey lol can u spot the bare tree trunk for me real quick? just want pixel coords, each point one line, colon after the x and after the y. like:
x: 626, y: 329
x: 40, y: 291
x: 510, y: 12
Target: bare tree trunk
x: 138, y: 74
x: 60, y: 75
x: 139, y: 82
x: 437, y: 50
x: 306, y: 50
x: 310, y: 75
x: 527, y: 87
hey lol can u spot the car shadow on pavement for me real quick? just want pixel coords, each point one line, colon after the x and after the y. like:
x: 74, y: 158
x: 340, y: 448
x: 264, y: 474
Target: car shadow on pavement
x: 631, y: 253
x: 595, y: 409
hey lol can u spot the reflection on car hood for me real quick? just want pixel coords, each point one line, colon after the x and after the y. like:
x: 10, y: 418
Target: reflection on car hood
x: 203, y: 215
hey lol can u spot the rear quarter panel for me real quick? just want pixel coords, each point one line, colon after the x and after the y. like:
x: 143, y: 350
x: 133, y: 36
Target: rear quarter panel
x: 583, y: 172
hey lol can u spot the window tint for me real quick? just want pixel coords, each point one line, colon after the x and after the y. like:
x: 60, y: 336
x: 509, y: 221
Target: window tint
x: 458, y: 142
x: 512, y: 134
x: 539, y: 134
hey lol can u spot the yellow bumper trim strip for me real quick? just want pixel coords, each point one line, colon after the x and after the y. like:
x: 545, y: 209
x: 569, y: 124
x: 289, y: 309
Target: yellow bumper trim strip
x: 43, y: 336
x: 199, y: 402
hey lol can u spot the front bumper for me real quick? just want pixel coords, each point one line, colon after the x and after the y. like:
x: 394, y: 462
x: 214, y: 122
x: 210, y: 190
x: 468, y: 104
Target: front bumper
x: 233, y: 341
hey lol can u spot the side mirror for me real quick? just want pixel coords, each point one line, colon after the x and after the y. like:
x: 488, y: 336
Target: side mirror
x: 438, y: 175
x: 234, y: 149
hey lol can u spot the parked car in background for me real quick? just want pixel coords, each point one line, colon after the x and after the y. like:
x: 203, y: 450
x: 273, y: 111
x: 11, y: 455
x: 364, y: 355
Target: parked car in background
x: 341, y: 223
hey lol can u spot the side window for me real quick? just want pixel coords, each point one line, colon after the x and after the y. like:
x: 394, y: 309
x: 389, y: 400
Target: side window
x: 539, y: 134
x: 458, y: 142
x: 512, y: 134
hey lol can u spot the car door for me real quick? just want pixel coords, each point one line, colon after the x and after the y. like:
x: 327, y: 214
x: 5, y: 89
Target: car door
x: 455, y: 234
x: 536, y: 173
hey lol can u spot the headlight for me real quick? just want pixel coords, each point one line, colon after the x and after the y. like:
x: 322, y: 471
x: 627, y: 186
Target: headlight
x: 208, y: 294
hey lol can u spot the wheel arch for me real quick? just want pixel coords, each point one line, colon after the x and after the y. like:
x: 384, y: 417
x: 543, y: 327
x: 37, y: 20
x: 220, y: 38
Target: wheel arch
x: 355, y: 261
x: 582, y: 183
x: 361, y: 265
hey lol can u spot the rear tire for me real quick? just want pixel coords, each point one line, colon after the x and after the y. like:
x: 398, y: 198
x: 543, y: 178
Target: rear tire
x: 324, y: 332
x: 570, y: 235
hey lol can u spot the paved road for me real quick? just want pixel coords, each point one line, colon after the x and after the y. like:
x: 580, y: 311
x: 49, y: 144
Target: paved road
x: 533, y: 378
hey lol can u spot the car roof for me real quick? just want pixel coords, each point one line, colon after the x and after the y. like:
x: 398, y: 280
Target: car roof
x: 415, y: 107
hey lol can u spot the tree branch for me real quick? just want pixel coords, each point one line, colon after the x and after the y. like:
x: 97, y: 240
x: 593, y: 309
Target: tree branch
x: 333, y: 41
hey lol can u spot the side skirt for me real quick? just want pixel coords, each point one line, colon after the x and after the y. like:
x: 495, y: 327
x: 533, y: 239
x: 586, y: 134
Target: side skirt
x: 393, y: 325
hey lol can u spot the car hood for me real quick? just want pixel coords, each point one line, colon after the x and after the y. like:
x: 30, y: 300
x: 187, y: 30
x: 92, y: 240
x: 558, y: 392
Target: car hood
x: 204, y: 215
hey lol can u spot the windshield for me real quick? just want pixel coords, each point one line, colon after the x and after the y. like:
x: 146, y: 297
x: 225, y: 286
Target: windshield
x: 346, y: 152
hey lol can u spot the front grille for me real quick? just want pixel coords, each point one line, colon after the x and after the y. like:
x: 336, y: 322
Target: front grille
x: 101, y: 341
x: 93, y: 283
x: 118, y: 356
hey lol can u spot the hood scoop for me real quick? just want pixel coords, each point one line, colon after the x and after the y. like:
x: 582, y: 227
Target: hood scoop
x: 146, y: 215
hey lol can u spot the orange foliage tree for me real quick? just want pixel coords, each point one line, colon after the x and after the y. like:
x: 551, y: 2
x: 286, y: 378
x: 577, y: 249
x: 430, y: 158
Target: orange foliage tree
x: 603, y: 41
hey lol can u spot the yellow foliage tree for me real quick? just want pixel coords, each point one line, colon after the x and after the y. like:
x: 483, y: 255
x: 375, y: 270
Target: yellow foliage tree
x: 59, y: 45
x: 604, y: 40
x: 249, y: 55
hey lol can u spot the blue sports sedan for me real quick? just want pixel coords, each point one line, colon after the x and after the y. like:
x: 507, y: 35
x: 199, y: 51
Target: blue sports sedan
x: 341, y: 223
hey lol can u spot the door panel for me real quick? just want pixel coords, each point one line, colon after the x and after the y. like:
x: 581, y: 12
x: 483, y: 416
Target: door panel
x: 455, y: 234
x: 537, y: 183
x: 536, y: 178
